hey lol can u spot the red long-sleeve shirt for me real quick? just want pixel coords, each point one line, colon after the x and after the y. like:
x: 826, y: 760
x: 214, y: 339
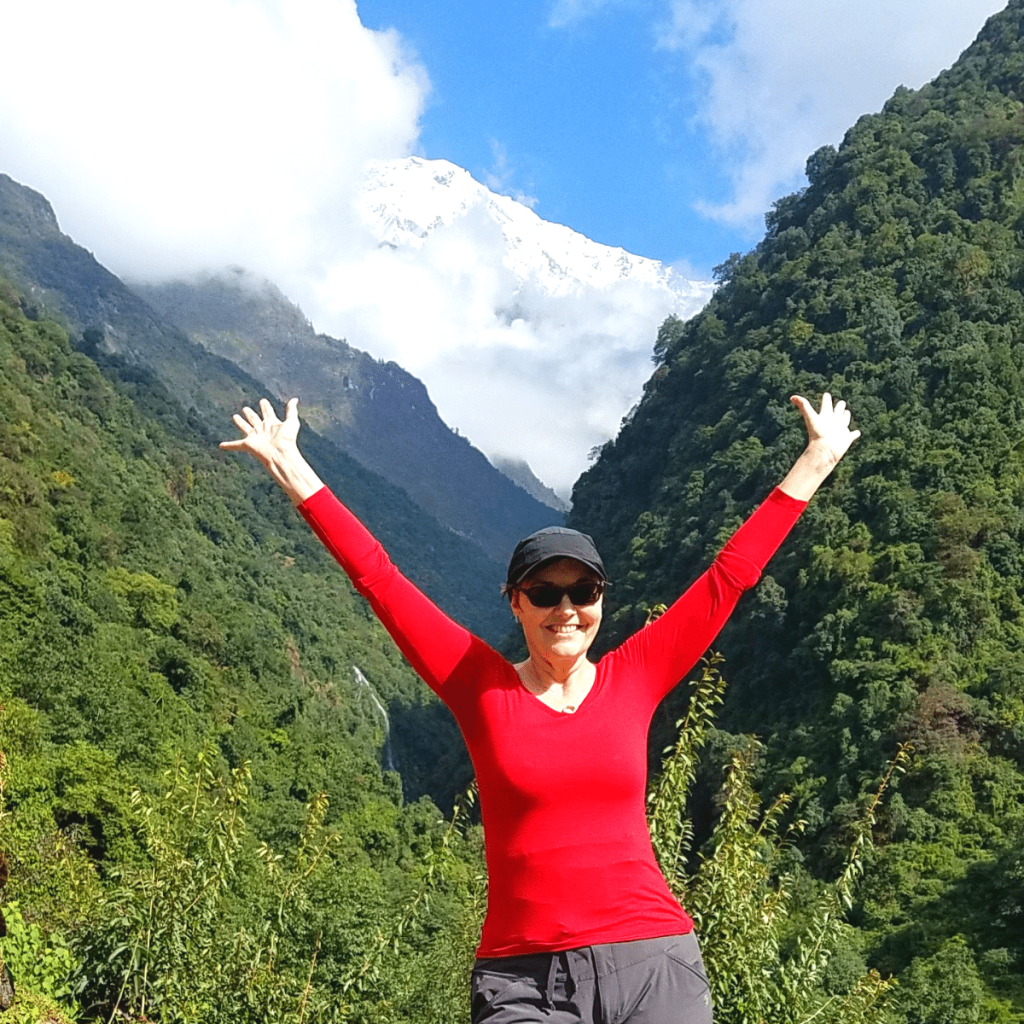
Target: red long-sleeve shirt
x: 569, y: 856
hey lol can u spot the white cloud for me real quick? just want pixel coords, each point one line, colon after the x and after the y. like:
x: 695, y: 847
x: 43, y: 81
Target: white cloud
x: 501, y: 175
x: 568, y: 12
x: 561, y: 378
x: 205, y: 132
x: 520, y: 371
x: 177, y: 138
x: 779, y: 80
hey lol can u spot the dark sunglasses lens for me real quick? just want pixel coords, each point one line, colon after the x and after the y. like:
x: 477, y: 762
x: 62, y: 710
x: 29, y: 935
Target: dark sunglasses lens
x: 584, y: 593
x: 548, y: 595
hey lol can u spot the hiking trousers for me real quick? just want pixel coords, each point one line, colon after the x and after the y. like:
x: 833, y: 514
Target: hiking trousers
x: 649, y: 981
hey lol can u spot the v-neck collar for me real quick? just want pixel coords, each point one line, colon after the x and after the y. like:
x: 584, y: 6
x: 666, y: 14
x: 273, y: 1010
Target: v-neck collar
x: 532, y: 698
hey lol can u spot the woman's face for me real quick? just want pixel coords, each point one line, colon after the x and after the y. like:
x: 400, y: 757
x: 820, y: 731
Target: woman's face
x: 566, y: 631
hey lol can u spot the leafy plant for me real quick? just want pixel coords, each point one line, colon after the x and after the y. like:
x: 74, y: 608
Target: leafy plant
x: 433, y: 981
x: 766, y: 951
x: 158, y: 946
x: 40, y: 963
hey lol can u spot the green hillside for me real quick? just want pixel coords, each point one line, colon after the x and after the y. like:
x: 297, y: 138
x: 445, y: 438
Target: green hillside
x: 63, y: 281
x: 896, y: 610
x: 163, y: 609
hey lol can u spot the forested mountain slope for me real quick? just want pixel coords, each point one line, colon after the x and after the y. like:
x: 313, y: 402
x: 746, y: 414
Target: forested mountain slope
x: 163, y: 609
x: 160, y: 592
x: 373, y: 410
x: 896, y: 610
x: 60, y: 279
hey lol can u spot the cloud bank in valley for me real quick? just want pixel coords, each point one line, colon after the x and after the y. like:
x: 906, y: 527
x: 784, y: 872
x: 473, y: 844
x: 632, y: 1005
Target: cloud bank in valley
x: 545, y: 377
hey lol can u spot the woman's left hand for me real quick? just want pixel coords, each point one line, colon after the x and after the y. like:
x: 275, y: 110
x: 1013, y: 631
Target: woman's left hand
x: 828, y: 438
x: 828, y: 430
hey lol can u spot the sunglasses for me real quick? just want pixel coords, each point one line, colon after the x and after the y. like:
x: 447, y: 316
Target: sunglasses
x: 547, y: 595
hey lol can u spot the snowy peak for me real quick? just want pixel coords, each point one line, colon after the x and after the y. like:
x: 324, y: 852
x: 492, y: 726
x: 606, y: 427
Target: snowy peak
x: 404, y: 202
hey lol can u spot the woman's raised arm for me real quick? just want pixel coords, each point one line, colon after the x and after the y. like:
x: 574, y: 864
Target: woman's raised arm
x: 432, y: 642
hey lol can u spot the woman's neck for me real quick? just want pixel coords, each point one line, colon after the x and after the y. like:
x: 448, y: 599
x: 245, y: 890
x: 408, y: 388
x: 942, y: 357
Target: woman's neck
x: 560, y: 685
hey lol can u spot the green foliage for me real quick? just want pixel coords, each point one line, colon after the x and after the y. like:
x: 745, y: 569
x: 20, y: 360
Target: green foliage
x: 213, y: 926
x: 671, y: 831
x: 430, y: 986
x: 41, y: 964
x: 944, y: 988
x: 37, y: 958
x: 156, y: 595
x: 30, y: 1008
x: 896, y: 609
x: 160, y: 604
x: 767, y: 947
x: 153, y: 949
x: 149, y: 603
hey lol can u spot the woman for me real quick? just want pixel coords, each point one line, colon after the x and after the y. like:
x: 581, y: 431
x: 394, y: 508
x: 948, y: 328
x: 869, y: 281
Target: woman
x: 580, y: 926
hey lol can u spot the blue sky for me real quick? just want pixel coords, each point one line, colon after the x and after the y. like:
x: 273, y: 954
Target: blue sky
x: 586, y: 117
x: 175, y: 138
x: 612, y: 114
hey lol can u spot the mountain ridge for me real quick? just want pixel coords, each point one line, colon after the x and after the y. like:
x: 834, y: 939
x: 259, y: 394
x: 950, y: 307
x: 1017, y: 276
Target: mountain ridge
x: 64, y: 281
x: 374, y: 410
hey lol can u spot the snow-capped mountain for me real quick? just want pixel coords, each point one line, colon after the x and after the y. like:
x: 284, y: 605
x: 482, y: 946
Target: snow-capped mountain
x: 404, y: 201
x: 504, y: 316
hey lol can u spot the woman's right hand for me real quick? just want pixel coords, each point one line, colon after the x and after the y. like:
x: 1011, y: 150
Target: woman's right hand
x: 264, y: 436
x: 272, y: 442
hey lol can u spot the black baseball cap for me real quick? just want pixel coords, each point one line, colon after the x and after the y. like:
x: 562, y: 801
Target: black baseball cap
x: 548, y: 544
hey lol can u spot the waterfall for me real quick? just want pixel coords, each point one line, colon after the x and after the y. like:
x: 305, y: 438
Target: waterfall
x: 387, y: 756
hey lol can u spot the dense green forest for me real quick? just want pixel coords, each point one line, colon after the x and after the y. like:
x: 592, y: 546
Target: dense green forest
x: 194, y: 821
x: 896, y: 610
x: 193, y: 798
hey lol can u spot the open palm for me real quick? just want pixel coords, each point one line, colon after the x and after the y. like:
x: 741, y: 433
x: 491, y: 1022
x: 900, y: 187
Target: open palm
x: 829, y: 427
x: 264, y: 435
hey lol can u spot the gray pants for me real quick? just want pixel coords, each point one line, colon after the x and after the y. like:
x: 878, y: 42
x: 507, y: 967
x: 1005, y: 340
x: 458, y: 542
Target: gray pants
x: 650, y: 981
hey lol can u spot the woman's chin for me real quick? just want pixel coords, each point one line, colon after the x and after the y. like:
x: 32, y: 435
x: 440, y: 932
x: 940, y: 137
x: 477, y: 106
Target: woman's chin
x: 568, y: 645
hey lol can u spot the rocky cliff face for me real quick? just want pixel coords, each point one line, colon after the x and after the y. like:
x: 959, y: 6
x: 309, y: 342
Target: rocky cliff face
x: 375, y: 411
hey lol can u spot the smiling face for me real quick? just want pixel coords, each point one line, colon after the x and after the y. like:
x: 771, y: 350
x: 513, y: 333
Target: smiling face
x: 564, y: 633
